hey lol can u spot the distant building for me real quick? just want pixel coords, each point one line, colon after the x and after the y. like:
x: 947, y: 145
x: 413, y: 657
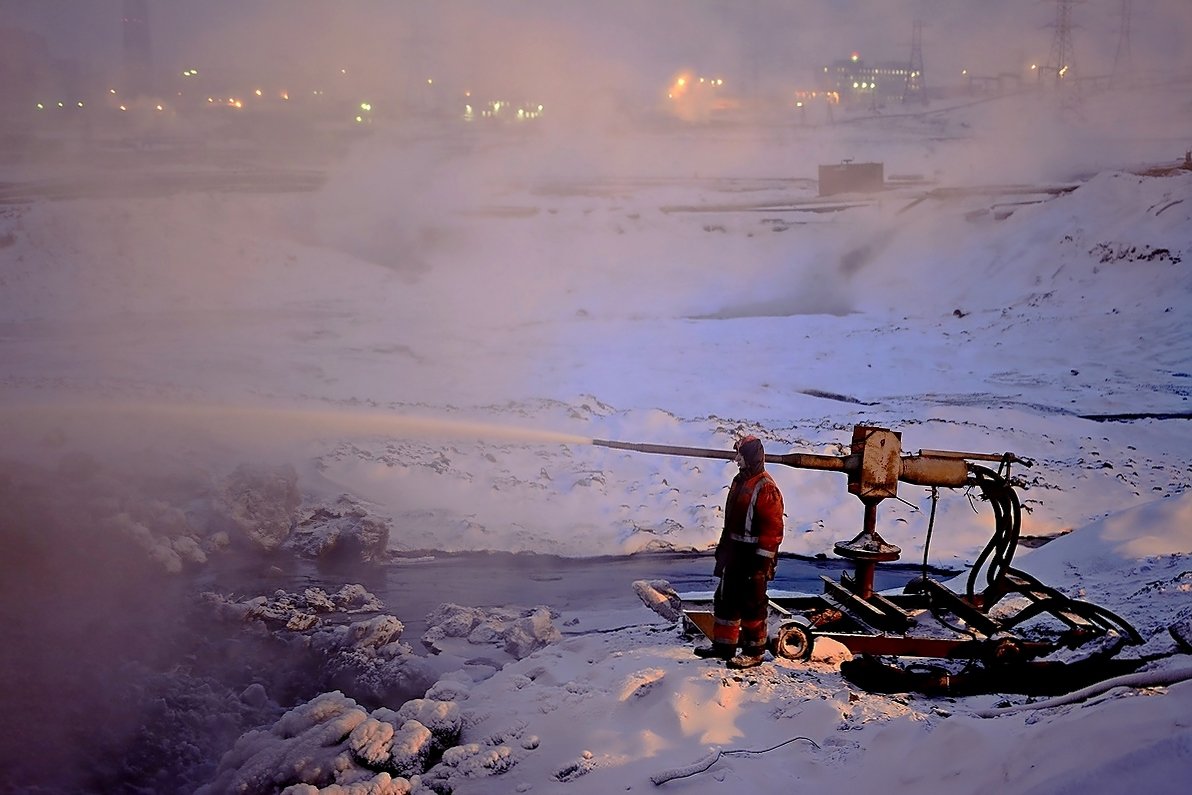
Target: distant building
x: 855, y: 81
x: 850, y: 177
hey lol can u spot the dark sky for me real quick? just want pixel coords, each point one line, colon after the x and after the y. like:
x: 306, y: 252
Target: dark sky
x: 522, y: 41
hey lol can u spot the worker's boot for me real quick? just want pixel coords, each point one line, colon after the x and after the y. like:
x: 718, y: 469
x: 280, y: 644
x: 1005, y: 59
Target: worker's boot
x: 717, y: 651
x: 750, y: 657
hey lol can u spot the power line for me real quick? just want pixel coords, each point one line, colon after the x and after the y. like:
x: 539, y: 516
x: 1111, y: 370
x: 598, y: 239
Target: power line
x: 1122, y: 62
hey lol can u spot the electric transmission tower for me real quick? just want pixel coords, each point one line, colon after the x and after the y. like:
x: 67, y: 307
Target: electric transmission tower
x: 915, y: 88
x: 138, y: 51
x: 1122, y: 67
x: 1062, y: 59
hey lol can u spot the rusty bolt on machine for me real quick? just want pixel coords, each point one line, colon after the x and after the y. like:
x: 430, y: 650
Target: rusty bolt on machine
x: 871, y: 623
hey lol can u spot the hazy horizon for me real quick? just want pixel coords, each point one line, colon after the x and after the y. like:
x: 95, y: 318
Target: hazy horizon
x: 564, y: 47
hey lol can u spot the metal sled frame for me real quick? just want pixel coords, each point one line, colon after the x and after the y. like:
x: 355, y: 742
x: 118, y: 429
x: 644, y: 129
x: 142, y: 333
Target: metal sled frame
x: 932, y: 621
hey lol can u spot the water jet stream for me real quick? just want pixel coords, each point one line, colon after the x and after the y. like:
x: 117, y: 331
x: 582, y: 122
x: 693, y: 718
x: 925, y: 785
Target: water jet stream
x: 256, y: 422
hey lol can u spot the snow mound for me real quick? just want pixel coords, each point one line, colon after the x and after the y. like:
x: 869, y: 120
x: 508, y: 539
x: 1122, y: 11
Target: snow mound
x: 515, y: 632
x: 332, y: 745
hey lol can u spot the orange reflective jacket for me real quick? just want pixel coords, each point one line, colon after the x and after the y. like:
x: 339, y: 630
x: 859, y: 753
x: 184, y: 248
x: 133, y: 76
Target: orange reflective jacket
x: 752, y: 526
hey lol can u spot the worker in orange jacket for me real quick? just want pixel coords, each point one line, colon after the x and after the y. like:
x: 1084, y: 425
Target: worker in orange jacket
x: 746, y: 558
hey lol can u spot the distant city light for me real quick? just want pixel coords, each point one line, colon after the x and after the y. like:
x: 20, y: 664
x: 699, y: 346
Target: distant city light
x: 684, y: 88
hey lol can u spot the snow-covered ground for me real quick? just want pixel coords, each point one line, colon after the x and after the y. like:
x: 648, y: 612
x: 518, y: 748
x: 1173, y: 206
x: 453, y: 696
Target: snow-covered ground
x: 416, y: 356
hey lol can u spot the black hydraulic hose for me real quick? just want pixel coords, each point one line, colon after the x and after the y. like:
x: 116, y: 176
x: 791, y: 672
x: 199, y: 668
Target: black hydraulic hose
x: 1004, y: 500
x: 1000, y: 550
x: 998, y: 541
x: 1015, y: 529
x: 1057, y: 602
x: 935, y: 498
x: 1011, y: 523
x: 1007, y: 516
x: 1087, y: 610
x: 1031, y: 580
x: 991, y: 545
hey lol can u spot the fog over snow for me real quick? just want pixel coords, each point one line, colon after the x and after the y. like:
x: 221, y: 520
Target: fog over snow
x: 258, y: 382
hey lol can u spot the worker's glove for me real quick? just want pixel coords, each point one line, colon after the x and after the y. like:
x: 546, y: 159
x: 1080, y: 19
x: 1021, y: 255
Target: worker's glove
x: 718, y: 571
x: 767, y: 566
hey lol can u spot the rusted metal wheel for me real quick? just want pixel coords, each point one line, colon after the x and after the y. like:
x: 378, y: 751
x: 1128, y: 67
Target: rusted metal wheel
x: 1004, y: 651
x: 793, y: 640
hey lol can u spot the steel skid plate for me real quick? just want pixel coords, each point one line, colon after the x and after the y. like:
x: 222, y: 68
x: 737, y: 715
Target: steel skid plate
x: 902, y: 625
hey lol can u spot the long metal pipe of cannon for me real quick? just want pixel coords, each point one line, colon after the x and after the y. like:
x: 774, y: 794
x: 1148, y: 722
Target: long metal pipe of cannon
x: 833, y: 463
x: 874, y: 466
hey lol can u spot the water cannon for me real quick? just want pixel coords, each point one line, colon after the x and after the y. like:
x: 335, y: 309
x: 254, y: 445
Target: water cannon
x: 928, y: 619
x: 874, y: 465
